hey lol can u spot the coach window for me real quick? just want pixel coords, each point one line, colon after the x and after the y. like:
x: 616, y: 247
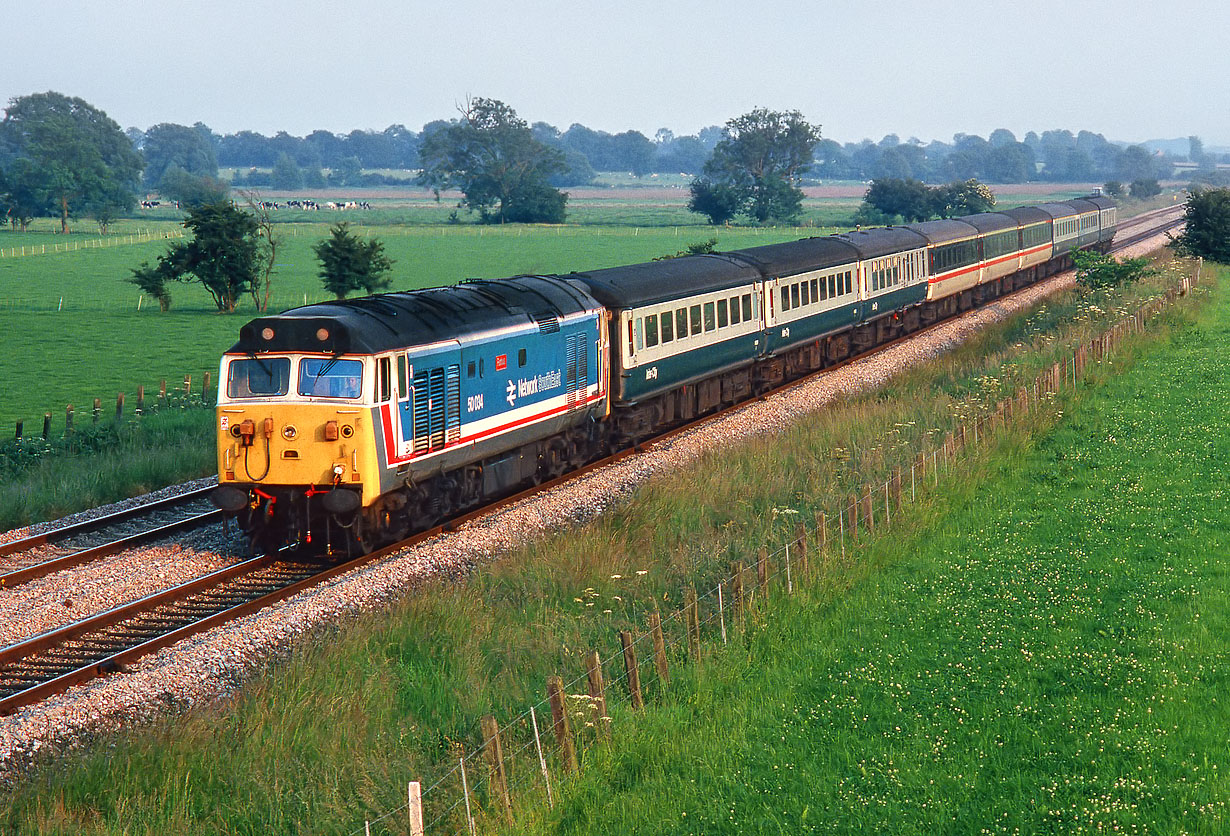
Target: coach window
x: 785, y: 294
x: 723, y: 319
x: 734, y: 310
x: 681, y: 322
x: 668, y: 331
x: 747, y: 307
x: 695, y: 317
x: 710, y: 319
x: 794, y: 295
x: 815, y: 290
x: 521, y: 357
x: 651, y: 330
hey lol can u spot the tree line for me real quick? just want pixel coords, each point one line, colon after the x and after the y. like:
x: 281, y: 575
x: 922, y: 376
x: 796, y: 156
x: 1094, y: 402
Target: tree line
x: 60, y: 156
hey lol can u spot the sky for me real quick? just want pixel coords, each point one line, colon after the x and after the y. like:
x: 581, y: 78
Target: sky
x: 1130, y: 70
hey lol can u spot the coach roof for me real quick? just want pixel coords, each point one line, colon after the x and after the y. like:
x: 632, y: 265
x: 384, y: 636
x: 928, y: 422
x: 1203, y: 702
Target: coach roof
x: 672, y: 278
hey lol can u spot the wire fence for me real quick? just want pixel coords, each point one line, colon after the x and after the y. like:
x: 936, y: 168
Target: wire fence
x: 476, y: 794
x: 80, y: 244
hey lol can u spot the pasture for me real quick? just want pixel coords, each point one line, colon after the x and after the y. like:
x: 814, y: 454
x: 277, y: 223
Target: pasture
x: 78, y: 331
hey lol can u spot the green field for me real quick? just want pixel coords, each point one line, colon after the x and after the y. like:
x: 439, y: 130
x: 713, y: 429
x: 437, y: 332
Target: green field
x: 75, y: 331
x: 330, y: 736
x: 1047, y: 654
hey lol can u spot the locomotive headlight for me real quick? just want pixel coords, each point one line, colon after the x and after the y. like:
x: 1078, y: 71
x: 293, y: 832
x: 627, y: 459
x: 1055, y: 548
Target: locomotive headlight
x: 339, y: 470
x: 289, y: 432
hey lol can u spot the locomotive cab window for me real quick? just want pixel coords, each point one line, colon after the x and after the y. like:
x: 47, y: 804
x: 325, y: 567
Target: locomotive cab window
x: 329, y: 377
x: 258, y: 377
x: 384, y: 379
x: 521, y: 357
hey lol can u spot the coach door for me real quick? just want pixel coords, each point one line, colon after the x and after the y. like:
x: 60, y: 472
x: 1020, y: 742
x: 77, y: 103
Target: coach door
x: 576, y: 377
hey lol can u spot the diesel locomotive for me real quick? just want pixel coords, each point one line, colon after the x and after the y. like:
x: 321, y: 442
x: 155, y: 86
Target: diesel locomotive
x: 351, y: 424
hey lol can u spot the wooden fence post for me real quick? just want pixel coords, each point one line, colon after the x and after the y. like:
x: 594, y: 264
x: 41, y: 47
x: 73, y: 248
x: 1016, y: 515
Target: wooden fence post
x: 119, y: 407
x: 631, y: 670
x: 852, y: 514
x: 736, y: 590
x: 97, y: 409
x: 205, y: 390
x: 495, y: 760
x: 691, y: 609
x: 141, y: 400
x: 46, y: 425
x: 800, y: 551
x: 187, y: 386
x: 895, y: 486
x: 19, y: 427
x: 659, y: 648
x: 68, y: 420
x: 597, y: 693
x: 868, y: 512
x: 414, y: 807
x: 559, y: 719
x: 762, y: 569
x: 822, y: 535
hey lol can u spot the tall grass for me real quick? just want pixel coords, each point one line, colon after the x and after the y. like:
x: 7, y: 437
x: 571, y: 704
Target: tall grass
x: 328, y: 737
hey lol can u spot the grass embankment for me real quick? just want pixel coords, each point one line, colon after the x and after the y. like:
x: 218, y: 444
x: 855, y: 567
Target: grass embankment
x: 1045, y: 653
x: 331, y: 736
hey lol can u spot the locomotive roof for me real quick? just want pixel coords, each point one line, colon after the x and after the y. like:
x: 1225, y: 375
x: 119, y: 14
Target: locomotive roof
x: 941, y: 232
x: 658, y: 281
x: 872, y: 243
x: 793, y: 257
x: 418, y: 317
x: 1100, y: 201
x: 990, y: 221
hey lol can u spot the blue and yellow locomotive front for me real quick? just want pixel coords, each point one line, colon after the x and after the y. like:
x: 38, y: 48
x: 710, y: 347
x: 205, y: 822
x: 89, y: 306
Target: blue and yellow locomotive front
x: 357, y: 422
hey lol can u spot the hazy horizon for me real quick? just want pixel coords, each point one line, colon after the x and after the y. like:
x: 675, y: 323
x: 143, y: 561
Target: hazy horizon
x: 861, y: 71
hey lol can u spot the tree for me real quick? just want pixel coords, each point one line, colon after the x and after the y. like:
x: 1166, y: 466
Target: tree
x: 968, y: 198
x: 78, y: 154
x: 491, y: 156
x: 24, y: 193
x: 192, y: 190
x: 1113, y: 188
x: 153, y: 280
x: 286, y: 175
x: 1097, y: 271
x: 891, y: 196
x: 267, y: 250
x: 1145, y: 188
x: 719, y: 201
x: 759, y: 161
x: 1206, y: 233
x: 168, y: 147
x: 224, y: 254
x: 348, y: 263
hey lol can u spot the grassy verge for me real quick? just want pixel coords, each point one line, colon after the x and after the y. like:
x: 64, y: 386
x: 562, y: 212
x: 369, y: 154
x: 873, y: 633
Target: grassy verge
x: 42, y: 480
x: 330, y: 737
x: 1045, y: 654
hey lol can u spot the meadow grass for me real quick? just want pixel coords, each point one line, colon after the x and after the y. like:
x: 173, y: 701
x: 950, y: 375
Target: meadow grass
x: 331, y: 734
x: 1044, y: 652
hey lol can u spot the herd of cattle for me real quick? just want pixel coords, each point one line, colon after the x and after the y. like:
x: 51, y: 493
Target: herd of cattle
x: 307, y: 205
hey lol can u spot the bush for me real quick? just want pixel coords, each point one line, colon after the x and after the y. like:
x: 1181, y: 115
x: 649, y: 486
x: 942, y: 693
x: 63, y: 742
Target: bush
x: 1096, y: 271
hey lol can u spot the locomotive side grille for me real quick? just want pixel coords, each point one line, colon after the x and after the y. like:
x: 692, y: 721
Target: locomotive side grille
x: 422, y: 397
x: 452, y: 417
x: 436, y: 408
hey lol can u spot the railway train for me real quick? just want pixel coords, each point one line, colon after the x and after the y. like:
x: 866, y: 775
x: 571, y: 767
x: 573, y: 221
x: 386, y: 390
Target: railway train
x: 351, y: 424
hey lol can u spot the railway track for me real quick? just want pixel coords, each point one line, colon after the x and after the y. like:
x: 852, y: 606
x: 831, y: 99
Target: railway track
x: 108, y: 642
x: 73, y: 545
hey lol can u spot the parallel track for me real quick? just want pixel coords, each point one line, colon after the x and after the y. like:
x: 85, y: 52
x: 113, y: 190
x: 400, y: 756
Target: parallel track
x: 73, y: 545
x: 48, y: 664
